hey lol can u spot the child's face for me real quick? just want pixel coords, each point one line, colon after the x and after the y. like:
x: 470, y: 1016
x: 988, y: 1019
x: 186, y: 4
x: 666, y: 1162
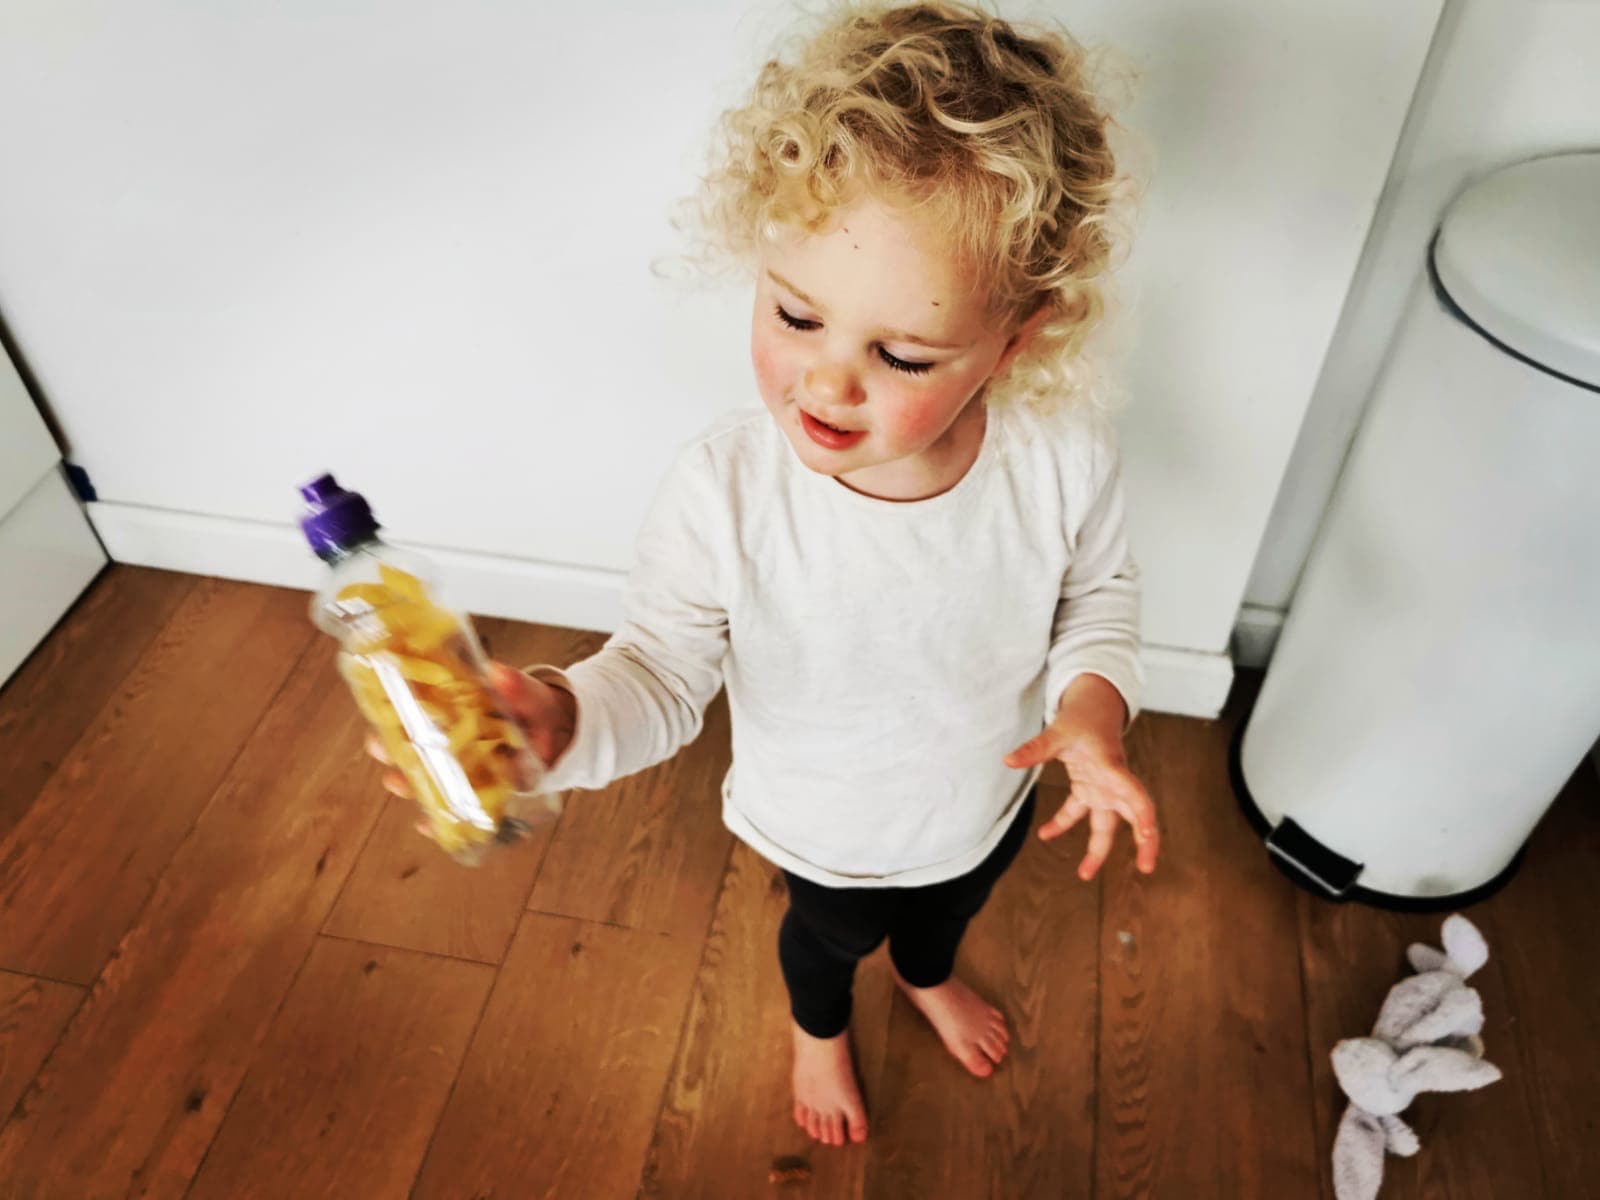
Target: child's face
x: 870, y: 350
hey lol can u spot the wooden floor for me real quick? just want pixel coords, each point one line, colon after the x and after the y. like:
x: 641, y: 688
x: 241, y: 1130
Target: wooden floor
x: 228, y: 968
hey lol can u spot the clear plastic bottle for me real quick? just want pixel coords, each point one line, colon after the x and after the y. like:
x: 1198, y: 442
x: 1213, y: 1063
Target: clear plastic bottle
x: 420, y: 677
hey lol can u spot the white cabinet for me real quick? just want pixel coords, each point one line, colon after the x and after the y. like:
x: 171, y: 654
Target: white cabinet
x: 48, y: 553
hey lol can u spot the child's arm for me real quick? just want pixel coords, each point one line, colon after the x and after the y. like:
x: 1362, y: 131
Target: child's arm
x: 1093, y: 680
x: 643, y: 695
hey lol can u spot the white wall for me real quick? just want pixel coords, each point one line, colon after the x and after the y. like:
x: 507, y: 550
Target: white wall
x: 242, y: 244
x: 1505, y: 81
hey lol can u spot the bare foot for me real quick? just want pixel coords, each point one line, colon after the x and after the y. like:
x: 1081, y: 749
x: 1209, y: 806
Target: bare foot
x: 971, y: 1030
x: 827, y: 1101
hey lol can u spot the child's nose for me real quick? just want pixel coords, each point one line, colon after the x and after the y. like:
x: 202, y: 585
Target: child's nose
x: 834, y: 383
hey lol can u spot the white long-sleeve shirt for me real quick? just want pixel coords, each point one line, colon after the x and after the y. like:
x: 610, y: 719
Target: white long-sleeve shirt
x: 880, y: 657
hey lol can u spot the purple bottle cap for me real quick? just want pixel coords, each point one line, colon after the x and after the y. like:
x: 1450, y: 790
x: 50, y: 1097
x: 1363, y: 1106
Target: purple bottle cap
x: 336, y: 521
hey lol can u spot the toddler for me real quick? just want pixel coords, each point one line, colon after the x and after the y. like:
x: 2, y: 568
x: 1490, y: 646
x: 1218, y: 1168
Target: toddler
x: 910, y: 571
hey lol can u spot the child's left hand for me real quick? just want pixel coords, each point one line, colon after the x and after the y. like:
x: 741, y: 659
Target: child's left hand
x: 1086, y: 737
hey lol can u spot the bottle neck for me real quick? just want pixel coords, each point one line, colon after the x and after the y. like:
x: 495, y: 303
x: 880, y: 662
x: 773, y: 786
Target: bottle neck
x: 343, y: 552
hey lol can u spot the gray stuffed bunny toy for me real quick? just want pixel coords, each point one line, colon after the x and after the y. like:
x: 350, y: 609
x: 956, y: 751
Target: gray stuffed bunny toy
x: 1426, y: 1040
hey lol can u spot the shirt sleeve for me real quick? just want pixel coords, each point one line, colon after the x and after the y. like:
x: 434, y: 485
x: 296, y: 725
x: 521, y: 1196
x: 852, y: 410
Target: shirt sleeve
x: 643, y: 695
x: 1096, y: 628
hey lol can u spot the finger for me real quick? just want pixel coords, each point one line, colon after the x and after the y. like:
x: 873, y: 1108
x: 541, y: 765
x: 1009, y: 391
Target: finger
x: 1070, y: 813
x: 1136, y: 807
x: 1033, y: 751
x: 395, y: 783
x: 1102, y: 829
x: 1139, y: 811
x: 375, y: 747
x: 1147, y: 848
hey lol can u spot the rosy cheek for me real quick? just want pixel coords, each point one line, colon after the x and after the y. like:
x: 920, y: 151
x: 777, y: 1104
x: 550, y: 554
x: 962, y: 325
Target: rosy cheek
x: 921, y: 419
x: 765, y: 360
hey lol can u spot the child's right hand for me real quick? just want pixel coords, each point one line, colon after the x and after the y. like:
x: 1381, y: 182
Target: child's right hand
x: 546, y: 714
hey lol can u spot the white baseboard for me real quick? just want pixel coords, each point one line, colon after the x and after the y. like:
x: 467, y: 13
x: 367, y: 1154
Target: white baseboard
x: 1186, y: 682
x: 1255, y: 636
x: 488, y: 584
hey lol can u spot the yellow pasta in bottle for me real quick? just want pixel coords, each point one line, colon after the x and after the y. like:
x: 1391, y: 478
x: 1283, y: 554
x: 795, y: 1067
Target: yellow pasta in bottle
x: 420, y: 679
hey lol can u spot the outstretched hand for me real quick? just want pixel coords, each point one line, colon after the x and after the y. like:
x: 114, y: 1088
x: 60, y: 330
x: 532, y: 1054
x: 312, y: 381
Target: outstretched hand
x: 1086, y: 737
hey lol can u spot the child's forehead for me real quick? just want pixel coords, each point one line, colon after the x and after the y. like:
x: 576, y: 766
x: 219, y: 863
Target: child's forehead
x: 902, y: 228
x: 875, y: 247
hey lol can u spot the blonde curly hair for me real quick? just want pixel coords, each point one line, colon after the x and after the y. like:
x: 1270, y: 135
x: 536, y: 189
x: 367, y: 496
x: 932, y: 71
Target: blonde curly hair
x: 992, y: 133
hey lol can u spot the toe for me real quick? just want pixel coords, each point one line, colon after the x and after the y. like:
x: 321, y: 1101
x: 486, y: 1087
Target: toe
x: 835, y: 1130
x: 858, y: 1129
x: 977, y: 1063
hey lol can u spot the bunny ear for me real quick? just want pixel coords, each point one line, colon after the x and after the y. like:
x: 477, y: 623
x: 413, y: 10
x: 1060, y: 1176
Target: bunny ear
x: 1426, y: 958
x: 1465, y: 945
x: 1439, y: 1069
x: 1358, y: 1156
x: 1402, y: 1139
x: 1409, y: 1001
x: 1458, y: 1014
x: 1363, y: 1067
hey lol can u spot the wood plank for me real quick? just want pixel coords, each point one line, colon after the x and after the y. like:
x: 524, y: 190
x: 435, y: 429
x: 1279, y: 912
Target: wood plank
x: 58, y: 692
x: 1028, y: 1129
x: 560, y: 1087
x: 33, y: 1013
x: 78, y: 866
x: 136, y: 1089
x: 404, y: 892
x: 351, y: 1078
x: 728, y: 1114
x: 1204, y: 1084
x: 1475, y: 1146
x: 1542, y: 935
x: 646, y: 852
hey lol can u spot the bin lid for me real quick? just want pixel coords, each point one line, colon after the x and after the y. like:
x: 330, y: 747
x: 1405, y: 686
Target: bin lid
x: 1519, y: 253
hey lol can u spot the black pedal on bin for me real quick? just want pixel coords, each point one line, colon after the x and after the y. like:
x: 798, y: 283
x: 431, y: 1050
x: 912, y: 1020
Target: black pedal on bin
x: 1302, y: 853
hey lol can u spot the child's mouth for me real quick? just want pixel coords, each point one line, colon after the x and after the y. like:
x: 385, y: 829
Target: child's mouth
x: 827, y: 436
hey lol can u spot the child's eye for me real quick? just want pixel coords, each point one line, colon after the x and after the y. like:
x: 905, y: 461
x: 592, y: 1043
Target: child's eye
x: 793, y: 322
x: 898, y: 364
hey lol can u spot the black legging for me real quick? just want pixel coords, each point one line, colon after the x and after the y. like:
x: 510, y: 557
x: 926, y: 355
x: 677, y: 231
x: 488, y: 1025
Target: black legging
x: 828, y: 930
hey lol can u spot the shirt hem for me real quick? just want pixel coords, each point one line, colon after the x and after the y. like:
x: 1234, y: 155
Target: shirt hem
x: 741, y: 827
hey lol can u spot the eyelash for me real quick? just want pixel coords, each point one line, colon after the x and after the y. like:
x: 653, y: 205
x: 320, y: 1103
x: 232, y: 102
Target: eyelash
x: 889, y: 360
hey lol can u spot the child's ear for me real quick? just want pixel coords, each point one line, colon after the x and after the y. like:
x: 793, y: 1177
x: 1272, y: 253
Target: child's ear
x: 1024, y: 334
